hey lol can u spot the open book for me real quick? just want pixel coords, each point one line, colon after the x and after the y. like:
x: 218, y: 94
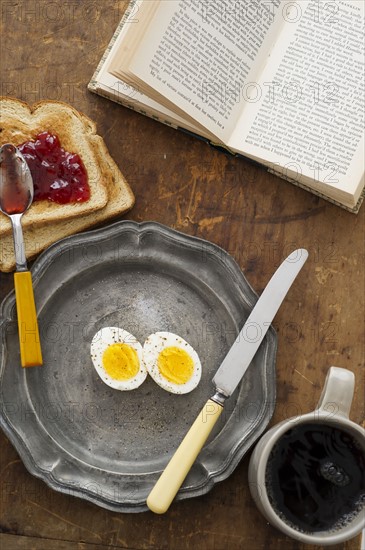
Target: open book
x: 279, y: 82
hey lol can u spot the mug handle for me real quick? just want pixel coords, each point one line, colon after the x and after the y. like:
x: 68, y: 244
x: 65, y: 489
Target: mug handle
x: 338, y: 392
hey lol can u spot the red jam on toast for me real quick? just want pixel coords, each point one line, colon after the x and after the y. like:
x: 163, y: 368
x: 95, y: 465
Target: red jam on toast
x: 58, y: 176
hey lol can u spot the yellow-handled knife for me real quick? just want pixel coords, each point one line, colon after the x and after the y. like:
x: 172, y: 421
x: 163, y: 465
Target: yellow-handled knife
x: 226, y: 379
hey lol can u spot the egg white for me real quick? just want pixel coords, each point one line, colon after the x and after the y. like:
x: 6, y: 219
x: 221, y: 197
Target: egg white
x: 104, y: 338
x: 154, y: 345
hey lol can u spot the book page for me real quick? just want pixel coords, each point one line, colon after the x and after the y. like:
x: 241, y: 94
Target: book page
x: 104, y: 83
x: 198, y: 55
x: 311, y: 113
x: 132, y: 98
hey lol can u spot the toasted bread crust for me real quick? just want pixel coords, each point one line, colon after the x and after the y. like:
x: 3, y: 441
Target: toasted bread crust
x: 20, y: 122
x: 38, y: 236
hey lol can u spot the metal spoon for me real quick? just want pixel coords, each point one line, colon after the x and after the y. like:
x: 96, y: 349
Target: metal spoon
x: 16, y: 196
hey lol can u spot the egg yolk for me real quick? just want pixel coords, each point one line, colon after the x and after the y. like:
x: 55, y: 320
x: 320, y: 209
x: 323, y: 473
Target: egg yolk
x: 176, y: 365
x: 120, y: 361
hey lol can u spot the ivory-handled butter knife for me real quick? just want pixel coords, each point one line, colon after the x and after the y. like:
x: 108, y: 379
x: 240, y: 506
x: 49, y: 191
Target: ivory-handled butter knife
x: 226, y: 379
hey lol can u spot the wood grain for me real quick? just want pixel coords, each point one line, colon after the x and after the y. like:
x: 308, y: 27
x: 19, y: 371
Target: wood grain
x: 49, y: 51
x: 16, y: 542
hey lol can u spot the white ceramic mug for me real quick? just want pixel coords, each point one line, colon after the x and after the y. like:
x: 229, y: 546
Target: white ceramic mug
x: 332, y: 410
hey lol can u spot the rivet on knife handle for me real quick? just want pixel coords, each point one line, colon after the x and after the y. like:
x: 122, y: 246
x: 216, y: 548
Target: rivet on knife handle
x: 177, y: 469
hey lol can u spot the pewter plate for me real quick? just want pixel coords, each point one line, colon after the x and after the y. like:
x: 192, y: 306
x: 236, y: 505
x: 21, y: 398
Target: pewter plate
x: 86, y: 439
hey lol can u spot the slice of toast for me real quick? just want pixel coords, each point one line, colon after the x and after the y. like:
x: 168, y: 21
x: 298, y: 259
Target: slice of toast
x: 37, y: 239
x: 20, y: 122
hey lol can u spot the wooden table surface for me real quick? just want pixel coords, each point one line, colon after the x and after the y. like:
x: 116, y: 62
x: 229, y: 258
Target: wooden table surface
x: 49, y: 50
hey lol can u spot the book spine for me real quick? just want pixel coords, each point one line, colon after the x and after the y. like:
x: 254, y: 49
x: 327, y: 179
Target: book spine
x: 94, y: 88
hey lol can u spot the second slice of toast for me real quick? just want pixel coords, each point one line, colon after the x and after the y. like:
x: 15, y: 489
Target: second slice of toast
x: 20, y: 122
x: 37, y: 239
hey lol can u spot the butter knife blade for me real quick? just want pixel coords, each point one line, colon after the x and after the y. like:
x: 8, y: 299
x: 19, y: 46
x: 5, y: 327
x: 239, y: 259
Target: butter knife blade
x: 243, y: 350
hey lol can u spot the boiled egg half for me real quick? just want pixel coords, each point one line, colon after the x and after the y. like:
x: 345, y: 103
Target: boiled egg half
x: 117, y: 357
x: 172, y: 362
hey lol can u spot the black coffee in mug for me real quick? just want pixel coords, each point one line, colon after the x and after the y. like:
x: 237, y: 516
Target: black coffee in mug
x: 315, y: 478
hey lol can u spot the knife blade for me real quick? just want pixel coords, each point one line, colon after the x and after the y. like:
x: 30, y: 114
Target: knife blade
x: 226, y: 379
